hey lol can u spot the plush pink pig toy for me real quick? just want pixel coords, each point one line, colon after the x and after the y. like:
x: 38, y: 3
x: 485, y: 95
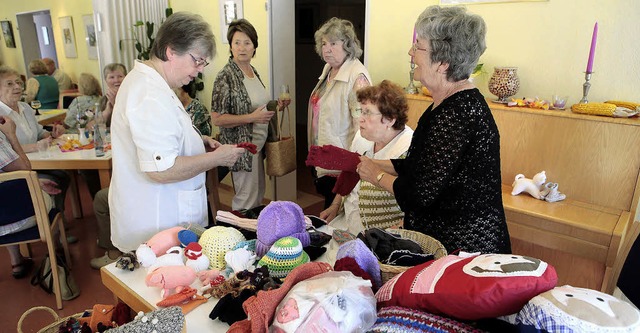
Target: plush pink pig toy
x: 171, y: 278
x: 158, y: 245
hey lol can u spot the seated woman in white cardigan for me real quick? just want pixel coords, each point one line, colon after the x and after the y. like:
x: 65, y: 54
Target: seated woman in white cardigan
x: 382, y: 134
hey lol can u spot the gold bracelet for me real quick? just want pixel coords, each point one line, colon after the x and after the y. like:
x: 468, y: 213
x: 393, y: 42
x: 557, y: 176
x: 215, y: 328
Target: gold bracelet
x: 379, y: 177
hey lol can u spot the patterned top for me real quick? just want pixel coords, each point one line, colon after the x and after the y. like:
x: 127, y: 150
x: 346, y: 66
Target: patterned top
x: 200, y: 116
x: 7, y: 154
x: 230, y: 96
x: 449, y: 184
x: 80, y: 103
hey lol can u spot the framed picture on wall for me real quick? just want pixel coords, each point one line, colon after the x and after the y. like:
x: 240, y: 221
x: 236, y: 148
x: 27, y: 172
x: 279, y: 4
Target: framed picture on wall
x: 230, y: 10
x: 90, y: 36
x: 68, y: 37
x: 7, y: 32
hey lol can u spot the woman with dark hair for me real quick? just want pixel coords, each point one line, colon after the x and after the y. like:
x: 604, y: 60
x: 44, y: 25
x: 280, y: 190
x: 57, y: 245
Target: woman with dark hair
x: 449, y: 185
x: 200, y: 116
x: 159, y: 159
x: 333, y: 105
x: 383, y: 134
x: 238, y: 107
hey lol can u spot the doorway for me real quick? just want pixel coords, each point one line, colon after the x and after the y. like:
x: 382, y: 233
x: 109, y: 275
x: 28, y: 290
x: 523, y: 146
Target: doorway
x: 36, y: 34
x: 310, y: 15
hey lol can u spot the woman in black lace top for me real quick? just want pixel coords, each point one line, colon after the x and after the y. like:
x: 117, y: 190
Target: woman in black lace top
x: 449, y: 184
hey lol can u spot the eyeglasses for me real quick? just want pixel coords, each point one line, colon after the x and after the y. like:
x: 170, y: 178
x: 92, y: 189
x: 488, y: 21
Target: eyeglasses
x: 367, y: 113
x: 11, y: 84
x: 415, y: 48
x: 199, y: 62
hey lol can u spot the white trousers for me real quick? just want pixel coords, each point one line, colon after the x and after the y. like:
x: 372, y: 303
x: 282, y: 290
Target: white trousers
x: 249, y: 186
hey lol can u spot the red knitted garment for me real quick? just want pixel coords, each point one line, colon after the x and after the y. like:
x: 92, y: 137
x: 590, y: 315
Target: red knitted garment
x: 332, y: 158
x: 262, y: 307
x: 346, y: 181
x: 248, y: 146
x: 351, y: 265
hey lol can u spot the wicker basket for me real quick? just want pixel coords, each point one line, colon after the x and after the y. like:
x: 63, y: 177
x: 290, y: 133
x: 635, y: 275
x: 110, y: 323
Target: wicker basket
x: 54, y: 326
x: 427, y: 243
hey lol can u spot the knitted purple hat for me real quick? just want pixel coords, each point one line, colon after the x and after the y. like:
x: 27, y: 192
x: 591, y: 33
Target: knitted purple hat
x: 280, y: 219
x: 357, y: 250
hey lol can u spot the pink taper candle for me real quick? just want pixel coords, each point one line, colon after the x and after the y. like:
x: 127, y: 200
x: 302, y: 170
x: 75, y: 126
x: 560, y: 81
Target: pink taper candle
x: 413, y: 41
x: 592, y: 51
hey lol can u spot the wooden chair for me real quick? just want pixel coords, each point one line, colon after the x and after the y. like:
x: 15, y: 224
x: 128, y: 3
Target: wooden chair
x: 21, y: 198
x: 626, y: 270
x: 66, y: 97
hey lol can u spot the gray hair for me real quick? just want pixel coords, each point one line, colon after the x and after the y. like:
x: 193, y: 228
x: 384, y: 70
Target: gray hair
x: 37, y: 67
x: 6, y: 71
x: 339, y: 29
x: 456, y: 38
x: 112, y: 67
x: 183, y: 32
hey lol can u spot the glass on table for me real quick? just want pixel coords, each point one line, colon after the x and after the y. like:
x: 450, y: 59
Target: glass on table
x: 44, y: 146
x: 35, y: 104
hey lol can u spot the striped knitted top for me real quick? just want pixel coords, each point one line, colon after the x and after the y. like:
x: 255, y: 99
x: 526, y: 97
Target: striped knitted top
x: 369, y: 206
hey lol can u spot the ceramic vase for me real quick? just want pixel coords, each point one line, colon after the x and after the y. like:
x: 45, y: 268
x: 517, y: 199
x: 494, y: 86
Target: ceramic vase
x: 504, y: 83
x: 83, y: 136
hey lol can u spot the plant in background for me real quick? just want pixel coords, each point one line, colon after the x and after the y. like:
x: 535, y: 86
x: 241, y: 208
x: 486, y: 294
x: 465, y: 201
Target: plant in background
x: 477, y: 71
x: 144, y: 52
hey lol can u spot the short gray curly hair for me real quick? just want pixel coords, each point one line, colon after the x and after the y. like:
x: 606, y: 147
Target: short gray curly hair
x: 456, y: 38
x: 182, y: 32
x: 339, y: 29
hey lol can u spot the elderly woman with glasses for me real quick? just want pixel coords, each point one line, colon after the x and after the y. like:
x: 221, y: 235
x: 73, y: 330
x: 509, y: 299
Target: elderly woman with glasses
x: 383, y: 134
x: 238, y: 106
x: 333, y: 115
x: 159, y: 159
x: 449, y: 184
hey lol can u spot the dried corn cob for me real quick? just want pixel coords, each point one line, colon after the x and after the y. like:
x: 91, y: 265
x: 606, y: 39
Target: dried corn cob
x: 594, y: 108
x: 629, y: 105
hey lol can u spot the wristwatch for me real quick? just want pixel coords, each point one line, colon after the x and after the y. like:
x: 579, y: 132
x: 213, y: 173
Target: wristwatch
x: 379, y: 177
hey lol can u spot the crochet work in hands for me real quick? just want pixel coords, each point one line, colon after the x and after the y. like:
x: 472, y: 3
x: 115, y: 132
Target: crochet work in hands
x: 335, y: 158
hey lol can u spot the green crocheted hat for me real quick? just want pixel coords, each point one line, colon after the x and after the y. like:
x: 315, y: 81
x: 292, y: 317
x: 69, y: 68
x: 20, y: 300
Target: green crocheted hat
x: 283, y: 256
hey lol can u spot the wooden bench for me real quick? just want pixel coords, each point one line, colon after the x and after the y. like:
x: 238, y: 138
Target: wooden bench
x: 596, y: 162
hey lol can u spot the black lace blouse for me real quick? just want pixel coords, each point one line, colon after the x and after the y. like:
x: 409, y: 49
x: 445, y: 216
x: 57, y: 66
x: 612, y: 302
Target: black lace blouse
x: 449, y: 184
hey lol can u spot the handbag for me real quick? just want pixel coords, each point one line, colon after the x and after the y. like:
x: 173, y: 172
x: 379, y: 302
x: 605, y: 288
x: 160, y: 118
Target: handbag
x: 43, y: 277
x: 281, y: 154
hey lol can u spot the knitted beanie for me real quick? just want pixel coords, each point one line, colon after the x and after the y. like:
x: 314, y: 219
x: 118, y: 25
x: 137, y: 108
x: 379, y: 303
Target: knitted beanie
x: 280, y: 219
x: 357, y: 250
x: 216, y: 241
x: 285, y: 255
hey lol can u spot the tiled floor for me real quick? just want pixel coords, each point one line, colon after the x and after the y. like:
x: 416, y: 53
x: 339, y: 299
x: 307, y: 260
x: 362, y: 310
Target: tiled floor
x: 19, y: 296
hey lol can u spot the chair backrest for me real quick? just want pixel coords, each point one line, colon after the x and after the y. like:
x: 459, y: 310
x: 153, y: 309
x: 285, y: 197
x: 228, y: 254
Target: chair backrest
x: 66, y: 97
x: 21, y: 198
x: 626, y: 270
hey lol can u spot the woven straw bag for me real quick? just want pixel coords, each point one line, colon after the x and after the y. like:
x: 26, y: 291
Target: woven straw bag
x: 54, y: 326
x: 281, y: 154
x: 427, y: 243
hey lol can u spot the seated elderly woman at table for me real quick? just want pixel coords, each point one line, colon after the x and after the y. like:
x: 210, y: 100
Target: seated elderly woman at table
x: 382, y: 135
x: 13, y: 158
x: 159, y: 159
x: 41, y: 86
x: 449, y: 185
x: 28, y: 131
x: 90, y: 89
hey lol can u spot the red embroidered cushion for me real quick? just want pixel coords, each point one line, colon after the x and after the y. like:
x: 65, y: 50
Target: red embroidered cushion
x: 482, y: 286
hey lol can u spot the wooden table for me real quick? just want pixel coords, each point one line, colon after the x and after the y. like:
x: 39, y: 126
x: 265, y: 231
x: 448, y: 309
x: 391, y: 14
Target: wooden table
x: 129, y: 287
x: 47, y: 117
x: 76, y: 160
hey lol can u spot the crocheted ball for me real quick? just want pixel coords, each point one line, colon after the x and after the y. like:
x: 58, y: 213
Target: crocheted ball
x: 357, y: 250
x: 216, y: 241
x: 187, y: 236
x: 280, y: 219
x: 285, y: 255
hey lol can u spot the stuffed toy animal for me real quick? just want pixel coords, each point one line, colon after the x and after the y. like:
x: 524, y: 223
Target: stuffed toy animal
x: 195, y: 258
x: 171, y: 279
x: 173, y: 257
x: 158, y: 245
x: 531, y: 186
